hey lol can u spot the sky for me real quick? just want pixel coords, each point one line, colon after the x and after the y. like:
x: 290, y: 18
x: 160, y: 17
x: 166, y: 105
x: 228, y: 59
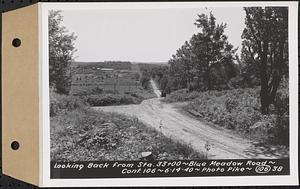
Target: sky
x: 142, y: 35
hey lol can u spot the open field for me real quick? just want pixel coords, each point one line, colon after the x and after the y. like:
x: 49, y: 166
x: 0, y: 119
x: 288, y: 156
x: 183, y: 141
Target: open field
x: 111, y: 77
x: 109, y: 83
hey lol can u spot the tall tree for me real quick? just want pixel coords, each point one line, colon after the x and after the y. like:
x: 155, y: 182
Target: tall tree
x: 205, y: 62
x: 61, y: 50
x: 209, y: 47
x: 181, y: 65
x: 265, y: 41
x: 249, y: 66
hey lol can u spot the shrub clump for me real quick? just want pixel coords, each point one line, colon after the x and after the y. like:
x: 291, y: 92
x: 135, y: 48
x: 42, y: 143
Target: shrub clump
x: 181, y: 96
x: 113, y: 99
x: 61, y: 104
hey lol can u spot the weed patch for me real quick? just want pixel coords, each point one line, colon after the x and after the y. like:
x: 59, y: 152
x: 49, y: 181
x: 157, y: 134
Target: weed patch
x: 88, y: 135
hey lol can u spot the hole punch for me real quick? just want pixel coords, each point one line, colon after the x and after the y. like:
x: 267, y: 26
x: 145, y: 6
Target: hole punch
x: 16, y: 42
x: 15, y: 145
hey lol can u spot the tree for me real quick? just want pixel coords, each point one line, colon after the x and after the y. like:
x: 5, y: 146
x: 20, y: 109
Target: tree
x: 249, y: 66
x: 181, y: 66
x: 61, y: 50
x: 205, y: 62
x: 265, y: 41
x: 196, y: 63
x: 210, y: 46
x: 145, y: 79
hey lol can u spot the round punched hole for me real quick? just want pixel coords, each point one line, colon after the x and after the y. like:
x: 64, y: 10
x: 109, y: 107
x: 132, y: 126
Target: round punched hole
x: 16, y: 42
x: 15, y: 145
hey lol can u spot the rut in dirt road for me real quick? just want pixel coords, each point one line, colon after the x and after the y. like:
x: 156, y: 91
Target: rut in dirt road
x: 223, y: 144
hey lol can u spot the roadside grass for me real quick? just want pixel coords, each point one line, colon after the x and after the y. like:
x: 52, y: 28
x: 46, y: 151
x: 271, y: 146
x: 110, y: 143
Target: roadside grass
x: 83, y: 134
x: 239, y: 111
x: 181, y: 95
x: 109, y: 99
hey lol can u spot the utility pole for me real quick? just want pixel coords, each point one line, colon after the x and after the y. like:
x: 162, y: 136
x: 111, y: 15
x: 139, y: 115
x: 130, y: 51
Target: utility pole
x: 115, y: 82
x: 160, y: 128
x: 207, y: 148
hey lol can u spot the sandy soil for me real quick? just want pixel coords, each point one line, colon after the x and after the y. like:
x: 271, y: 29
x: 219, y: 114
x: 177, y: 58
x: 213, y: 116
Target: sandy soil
x: 167, y: 119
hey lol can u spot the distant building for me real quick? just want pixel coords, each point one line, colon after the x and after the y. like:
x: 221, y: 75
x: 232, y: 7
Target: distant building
x: 107, y: 69
x: 82, y: 77
x: 107, y: 76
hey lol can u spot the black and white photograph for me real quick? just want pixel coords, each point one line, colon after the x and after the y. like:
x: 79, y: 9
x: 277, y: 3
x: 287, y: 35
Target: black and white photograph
x: 163, y: 84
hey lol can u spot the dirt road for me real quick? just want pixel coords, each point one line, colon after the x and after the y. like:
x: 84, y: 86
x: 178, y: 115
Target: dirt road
x: 167, y: 119
x: 155, y: 88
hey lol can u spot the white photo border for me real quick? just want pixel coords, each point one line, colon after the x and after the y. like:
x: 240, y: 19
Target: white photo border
x: 45, y: 180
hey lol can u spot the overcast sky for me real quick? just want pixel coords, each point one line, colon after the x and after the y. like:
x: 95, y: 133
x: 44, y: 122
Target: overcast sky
x: 150, y: 35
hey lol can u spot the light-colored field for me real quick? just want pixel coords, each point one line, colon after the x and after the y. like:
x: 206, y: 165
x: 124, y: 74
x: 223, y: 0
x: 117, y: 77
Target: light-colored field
x: 118, y: 81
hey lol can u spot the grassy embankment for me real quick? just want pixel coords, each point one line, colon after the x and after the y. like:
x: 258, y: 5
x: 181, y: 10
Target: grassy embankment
x: 239, y: 110
x: 109, y: 99
x: 79, y: 133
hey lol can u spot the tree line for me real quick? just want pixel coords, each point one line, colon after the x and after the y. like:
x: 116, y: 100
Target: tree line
x: 209, y: 62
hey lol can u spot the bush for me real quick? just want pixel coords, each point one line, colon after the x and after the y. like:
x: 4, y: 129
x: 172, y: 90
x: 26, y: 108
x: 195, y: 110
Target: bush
x: 181, y: 95
x: 282, y: 98
x: 62, y: 104
x: 231, y: 103
x: 112, y: 99
x: 281, y: 133
x: 244, y: 81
